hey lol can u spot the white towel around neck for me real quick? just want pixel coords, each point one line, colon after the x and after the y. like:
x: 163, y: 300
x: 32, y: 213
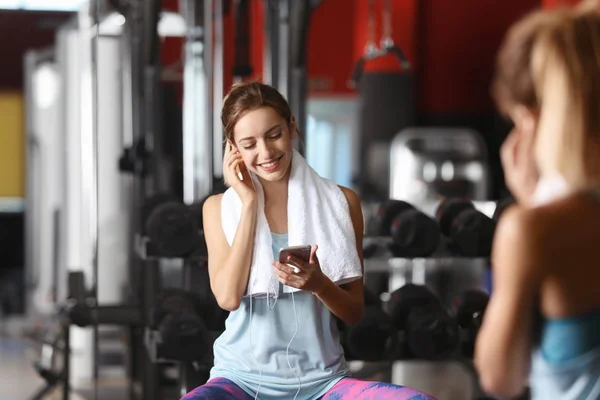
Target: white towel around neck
x: 318, y: 213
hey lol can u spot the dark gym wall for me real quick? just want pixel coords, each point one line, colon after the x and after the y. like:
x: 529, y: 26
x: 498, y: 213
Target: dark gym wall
x: 26, y: 29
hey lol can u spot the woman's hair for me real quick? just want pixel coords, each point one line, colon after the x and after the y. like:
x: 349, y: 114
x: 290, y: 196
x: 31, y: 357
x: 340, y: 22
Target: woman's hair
x: 566, y: 77
x: 512, y: 83
x: 244, y: 97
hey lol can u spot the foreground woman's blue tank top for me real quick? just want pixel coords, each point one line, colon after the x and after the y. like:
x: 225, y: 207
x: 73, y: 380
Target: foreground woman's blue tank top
x: 315, y: 353
x: 567, y: 363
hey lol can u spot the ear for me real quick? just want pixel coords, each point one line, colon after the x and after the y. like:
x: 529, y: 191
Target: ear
x: 527, y: 120
x: 531, y: 121
x: 293, y: 128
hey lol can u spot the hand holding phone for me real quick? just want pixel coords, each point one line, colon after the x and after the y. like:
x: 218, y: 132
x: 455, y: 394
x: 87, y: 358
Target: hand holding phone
x: 300, y: 252
x: 303, y: 271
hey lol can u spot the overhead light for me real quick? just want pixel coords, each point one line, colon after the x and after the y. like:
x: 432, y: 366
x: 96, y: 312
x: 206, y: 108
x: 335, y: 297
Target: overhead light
x: 171, y: 24
x: 46, y: 85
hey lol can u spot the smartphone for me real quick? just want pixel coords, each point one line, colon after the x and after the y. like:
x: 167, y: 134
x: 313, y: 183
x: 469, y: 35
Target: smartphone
x: 301, y: 252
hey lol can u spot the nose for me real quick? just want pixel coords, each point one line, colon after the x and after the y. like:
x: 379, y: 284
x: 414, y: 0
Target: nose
x: 266, y: 150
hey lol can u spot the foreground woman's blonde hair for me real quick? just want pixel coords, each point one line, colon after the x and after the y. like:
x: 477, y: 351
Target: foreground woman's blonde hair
x: 566, y: 74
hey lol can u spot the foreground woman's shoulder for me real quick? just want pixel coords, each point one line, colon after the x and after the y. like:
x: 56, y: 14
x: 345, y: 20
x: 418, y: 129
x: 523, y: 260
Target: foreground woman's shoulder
x: 522, y: 222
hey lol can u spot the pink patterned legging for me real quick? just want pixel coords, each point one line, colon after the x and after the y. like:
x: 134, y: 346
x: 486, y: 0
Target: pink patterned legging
x: 345, y: 389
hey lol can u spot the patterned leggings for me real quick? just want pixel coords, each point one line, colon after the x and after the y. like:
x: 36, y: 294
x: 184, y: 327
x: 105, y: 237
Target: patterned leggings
x: 345, y: 389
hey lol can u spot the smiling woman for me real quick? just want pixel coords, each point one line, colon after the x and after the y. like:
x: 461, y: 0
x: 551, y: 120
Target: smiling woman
x: 295, y: 351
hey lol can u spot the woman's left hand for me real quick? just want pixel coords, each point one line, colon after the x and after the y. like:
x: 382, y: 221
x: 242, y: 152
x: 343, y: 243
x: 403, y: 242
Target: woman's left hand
x: 309, y: 277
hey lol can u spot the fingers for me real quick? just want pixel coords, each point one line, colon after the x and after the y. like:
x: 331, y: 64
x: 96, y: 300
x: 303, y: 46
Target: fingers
x: 289, y: 280
x: 313, y: 254
x: 233, y: 156
x: 233, y: 161
x: 291, y: 267
x: 287, y: 276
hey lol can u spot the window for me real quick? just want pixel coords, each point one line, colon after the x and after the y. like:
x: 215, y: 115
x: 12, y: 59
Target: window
x: 329, y: 138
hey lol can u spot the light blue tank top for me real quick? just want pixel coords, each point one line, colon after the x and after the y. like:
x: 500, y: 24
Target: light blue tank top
x: 250, y: 358
x: 567, y: 363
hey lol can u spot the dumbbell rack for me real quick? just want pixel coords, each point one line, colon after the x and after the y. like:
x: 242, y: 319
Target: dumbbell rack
x: 446, y: 276
x: 153, y: 341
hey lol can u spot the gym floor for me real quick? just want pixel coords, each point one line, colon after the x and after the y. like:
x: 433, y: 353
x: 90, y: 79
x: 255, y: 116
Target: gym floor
x: 19, y: 380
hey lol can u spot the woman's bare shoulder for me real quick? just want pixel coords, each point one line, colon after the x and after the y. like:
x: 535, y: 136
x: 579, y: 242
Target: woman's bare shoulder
x: 213, y: 202
x: 555, y: 225
x: 211, y: 211
x: 571, y: 216
x: 520, y: 240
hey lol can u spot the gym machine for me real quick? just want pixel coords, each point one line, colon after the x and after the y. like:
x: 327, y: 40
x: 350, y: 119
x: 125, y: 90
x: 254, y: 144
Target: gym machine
x: 115, y: 184
x: 44, y: 180
x: 285, y: 53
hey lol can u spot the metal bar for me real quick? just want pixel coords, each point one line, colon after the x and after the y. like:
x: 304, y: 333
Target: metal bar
x: 56, y: 231
x: 271, y: 43
x: 66, y: 387
x: 94, y: 178
x: 209, y: 73
x: 151, y: 389
x: 197, y: 112
x: 119, y: 315
x: 218, y: 83
x: 153, y: 136
x: 284, y: 49
x: 32, y: 188
x: 299, y: 21
x: 242, y: 65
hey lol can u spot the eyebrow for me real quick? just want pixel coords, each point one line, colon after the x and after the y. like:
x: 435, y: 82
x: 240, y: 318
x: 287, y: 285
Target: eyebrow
x: 271, y: 129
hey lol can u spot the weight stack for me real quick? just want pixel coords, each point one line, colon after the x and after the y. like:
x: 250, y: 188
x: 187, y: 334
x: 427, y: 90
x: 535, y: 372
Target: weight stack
x: 386, y: 106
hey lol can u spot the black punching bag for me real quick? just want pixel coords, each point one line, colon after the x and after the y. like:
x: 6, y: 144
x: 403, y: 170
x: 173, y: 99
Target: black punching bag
x: 386, y: 106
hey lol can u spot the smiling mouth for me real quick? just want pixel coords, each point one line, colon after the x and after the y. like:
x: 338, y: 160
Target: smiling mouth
x: 271, y: 165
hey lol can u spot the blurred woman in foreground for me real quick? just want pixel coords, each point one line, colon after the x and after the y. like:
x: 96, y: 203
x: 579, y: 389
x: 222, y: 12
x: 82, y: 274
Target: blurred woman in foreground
x: 546, y: 248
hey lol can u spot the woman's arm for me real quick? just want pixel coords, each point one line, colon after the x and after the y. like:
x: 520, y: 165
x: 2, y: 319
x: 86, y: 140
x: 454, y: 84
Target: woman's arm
x: 228, y: 266
x: 503, y: 347
x: 347, y: 301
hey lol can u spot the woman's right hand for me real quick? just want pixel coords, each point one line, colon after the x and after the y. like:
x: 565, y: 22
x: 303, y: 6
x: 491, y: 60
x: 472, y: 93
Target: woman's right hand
x: 234, y: 169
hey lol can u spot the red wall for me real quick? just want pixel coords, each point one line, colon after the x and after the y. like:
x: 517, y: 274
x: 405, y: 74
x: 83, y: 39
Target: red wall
x: 457, y: 51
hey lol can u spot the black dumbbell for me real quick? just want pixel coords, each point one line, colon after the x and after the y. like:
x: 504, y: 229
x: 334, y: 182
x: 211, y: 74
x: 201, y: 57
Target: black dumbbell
x: 371, y: 338
x: 430, y: 331
x: 469, y: 230
x: 173, y: 229
x: 183, y: 331
x: 470, y: 308
x: 381, y: 224
x: 154, y: 201
x: 413, y: 233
